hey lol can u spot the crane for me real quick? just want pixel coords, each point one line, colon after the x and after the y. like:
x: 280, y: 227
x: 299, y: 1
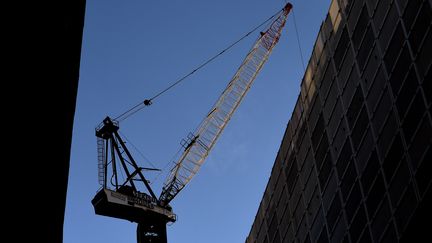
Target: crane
x: 123, y: 200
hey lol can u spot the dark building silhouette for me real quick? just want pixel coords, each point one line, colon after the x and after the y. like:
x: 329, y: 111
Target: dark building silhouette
x: 44, y: 90
x: 354, y: 163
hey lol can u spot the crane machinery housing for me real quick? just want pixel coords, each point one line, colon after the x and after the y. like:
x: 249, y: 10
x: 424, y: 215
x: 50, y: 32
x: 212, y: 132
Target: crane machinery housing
x: 152, y: 213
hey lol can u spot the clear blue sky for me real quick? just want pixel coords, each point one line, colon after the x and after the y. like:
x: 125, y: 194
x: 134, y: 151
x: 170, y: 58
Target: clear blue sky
x: 133, y: 49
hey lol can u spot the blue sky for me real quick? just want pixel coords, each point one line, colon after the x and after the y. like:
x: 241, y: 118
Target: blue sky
x: 132, y: 50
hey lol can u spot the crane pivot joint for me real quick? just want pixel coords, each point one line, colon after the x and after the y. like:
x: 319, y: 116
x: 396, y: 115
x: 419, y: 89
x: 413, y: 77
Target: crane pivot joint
x: 147, y: 102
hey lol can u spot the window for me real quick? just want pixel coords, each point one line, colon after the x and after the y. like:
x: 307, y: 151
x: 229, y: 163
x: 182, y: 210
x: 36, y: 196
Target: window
x: 387, y: 134
x: 393, y: 157
x: 407, y: 93
x: 331, y: 100
x: 346, y: 67
x: 317, y: 225
x: 344, y: 158
x: 380, y: 12
x: 262, y: 234
x: 424, y: 56
x: 413, y: 117
x: 339, y: 231
x: 371, y: 4
x: 310, y: 186
x: 291, y: 173
x: 283, y: 226
x: 327, y: 28
x: 350, y: 87
x: 354, y: 14
x: 348, y: 180
x: 371, y: 170
x: 277, y: 238
x: 341, y: 48
x: 388, y: 27
x: 317, y: 132
x: 411, y: 12
x: 353, y: 202
x: 381, y: 112
x: 325, y: 171
x: 296, y: 115
x: 399, y: 183
x: 394, y: 48
x: 311, y: 93
x: 278, y: 190
x: 375, y: 91
x: 427, y: 85
x: 405, y: 209
x: 333, y: 213
x: 400, y: 71
x: 302, y: 229
x: 289, y: 236
x: 358, y: 224
x: 319, y: 44
x: 303, y: 149
x: 272, y: 228
x: 335, y: 119
x: 314, y: 114
x: 344, y: 4
x: 308, y: 77
x: 365, y: 237
x: 370, y: 70
x: 329, y: 191
x: 283, y: 200
x: 380, y: 221
x: 271, y: 213
x: 321, y: 151
x: 296, y: 203
x: 360, y: 28
x: 422, y: 176
x: 339, y: 138
x: 327, y: 81
x: 307, y: 167
x: 366, y: 47
x: 303, y: 94
x: 390, y: 234
x: 323, y: 236
x: 334, y: 15
x: 365, y: 150
x: 300, y: 134
x: 375, y: 195
x: 355, y: 106
x: 360, y: 128
x: 420, y: 142
x: 314, y: 204
x: 421, y: 24
x: 322, y: 65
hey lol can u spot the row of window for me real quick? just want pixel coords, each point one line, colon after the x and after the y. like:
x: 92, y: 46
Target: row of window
x: 320, y: 153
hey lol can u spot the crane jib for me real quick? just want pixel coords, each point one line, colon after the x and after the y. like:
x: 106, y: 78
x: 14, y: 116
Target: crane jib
x: 210, y: 129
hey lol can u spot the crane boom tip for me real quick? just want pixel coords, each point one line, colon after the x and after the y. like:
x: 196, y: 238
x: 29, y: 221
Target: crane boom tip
x: 288, y: 7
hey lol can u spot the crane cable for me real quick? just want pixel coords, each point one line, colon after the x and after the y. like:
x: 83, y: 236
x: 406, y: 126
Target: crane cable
x: 148, y: 102
x: 298, y: 38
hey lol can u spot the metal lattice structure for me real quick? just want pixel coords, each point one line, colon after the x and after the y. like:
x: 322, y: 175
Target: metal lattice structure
x: 101, y: 160
x: 203, y: 140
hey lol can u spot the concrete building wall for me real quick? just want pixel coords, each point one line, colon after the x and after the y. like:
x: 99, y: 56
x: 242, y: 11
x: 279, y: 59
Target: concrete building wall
x: 354, y: 163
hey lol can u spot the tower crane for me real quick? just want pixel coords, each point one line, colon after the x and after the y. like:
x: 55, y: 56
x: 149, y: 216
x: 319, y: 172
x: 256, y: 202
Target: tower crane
x: 152, y: 213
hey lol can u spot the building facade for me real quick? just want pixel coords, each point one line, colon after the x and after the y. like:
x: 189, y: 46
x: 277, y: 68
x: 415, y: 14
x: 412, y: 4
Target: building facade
x: 354, y: 163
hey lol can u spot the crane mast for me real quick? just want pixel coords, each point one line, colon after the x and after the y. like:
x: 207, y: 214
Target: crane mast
x: 202, y: 141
